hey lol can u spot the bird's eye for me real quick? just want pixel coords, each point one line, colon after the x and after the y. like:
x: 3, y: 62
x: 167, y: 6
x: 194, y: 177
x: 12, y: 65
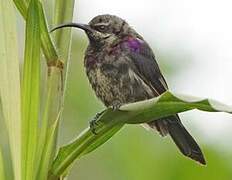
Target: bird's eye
x: 101, y: 28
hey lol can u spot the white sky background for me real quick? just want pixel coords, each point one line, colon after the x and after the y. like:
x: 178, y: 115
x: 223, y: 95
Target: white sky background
x: 200, y: 29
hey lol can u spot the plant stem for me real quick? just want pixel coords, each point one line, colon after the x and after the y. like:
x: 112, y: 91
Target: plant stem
x: 63, y: 12
x: 48, y: 47
x: 31, y: 93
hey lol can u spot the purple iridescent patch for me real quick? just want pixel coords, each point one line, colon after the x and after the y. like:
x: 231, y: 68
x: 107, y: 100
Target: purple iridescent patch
x: 133, y: 43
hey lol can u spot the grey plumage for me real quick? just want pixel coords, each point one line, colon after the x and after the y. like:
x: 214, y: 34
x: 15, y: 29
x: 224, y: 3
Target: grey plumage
x: 121, y: 68
x: 125, y: 70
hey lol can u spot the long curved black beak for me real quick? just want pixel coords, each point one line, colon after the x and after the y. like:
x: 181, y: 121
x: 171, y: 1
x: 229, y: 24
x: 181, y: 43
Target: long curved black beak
x: 85, y: 27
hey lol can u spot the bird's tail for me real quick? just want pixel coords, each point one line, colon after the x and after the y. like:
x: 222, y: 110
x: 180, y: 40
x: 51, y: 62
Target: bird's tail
x: 184, y: 141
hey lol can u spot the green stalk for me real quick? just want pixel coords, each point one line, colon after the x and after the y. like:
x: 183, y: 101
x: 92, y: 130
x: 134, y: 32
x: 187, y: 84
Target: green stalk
x: 2, y: 169
x: 85, y: 142
x: 55, y: 88
x: 63, y: 12
x: 48, y: 47
x: 135, y: 113
x: 31, y: 93
x: 51, y: 116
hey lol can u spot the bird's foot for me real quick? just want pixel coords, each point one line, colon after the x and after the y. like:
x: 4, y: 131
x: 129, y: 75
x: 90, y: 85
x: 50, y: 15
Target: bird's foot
x: 93, y: 123
x: 116, y: 105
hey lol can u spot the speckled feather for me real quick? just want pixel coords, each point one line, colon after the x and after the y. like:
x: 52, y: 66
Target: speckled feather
x: 121, y: 68
x: 113, y: 77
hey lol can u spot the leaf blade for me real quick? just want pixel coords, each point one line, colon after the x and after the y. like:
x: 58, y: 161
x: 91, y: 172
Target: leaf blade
x: 49, y: 49
x: 31, y: 92
x: 2, y: 169
x: 10, y: 81
x: 48, y: 148
x: 135, y: 113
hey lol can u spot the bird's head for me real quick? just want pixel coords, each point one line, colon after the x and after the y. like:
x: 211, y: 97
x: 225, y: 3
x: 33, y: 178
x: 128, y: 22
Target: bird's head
x: 103, y: 29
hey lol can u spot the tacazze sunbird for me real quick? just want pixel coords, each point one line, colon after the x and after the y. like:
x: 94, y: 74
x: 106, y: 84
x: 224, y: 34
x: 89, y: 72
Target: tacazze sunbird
x: 122, y: 68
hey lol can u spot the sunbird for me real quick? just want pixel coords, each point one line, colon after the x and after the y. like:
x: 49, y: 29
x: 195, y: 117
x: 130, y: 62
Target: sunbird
x: 122, y: 68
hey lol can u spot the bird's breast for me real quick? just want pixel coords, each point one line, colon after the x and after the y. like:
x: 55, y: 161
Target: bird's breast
x: 104, y: 85
x: 90, y: 61
x: 114, y: 83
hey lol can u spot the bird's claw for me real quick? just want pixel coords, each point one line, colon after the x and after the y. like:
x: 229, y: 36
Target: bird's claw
x: 93, y: 123
x: 116, y: 105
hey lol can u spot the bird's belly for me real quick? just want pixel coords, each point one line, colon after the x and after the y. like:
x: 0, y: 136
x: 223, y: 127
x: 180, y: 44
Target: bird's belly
x: 112, y: 87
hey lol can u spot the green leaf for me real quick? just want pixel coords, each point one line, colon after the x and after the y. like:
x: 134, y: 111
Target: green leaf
x: 46, y: 158
x: 63, y: 12
x: 85, y: 143
x: 22, y: 7
x: 50, y: 109
x: 10, y: 81
x: 47, y: 44
x: 31, y: 92
x: 140, y: 112
x: 2, y: 169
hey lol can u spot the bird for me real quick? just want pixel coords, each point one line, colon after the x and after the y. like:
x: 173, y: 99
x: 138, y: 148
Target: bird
x: 121, y: 68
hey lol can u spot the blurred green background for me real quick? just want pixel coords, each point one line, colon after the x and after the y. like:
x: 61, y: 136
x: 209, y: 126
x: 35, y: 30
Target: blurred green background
x: 133, y: 153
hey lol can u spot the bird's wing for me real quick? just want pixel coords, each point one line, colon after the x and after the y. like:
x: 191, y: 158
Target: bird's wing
x: 147, y: 68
